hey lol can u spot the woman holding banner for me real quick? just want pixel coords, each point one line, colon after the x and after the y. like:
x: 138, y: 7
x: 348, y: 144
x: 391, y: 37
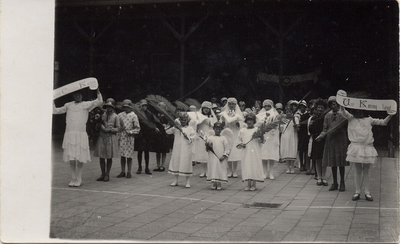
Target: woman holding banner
x: 76, y: 142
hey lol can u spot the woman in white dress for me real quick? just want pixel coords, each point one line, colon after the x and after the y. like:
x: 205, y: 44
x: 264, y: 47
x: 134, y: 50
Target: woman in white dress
x: 232, y: 117
x: 270, y: 148
x: 76, y: 143
x: 205, y: 119
x: 289, y: 139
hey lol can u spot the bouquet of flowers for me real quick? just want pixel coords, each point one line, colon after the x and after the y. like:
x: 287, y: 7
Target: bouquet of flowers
x: 265, y: 127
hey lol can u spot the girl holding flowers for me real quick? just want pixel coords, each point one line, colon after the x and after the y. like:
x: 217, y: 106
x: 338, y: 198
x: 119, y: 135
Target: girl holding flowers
x: 251, y: 161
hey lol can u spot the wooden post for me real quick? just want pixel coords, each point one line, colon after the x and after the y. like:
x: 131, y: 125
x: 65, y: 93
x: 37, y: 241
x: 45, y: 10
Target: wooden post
x: 91, y: 39
x: 182, y: 75
x: 280, y: 37
x: 182, y: 39
x: 91, y: 49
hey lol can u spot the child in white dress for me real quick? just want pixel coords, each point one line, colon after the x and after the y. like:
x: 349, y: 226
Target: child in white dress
x: 361, y: 151
x: 251, y: 161
x: 181, y: 157
x: 218, y: 149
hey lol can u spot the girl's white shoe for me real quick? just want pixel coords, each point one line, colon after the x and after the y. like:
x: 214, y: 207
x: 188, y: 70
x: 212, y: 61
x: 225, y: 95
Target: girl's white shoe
x: 72, y: 183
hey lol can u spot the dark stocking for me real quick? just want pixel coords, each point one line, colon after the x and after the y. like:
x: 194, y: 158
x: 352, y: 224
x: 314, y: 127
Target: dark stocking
x: 109, y: 164
x: 334, y: 174
x: 123, y: 162
x: 158, y: 157
x: 139, y: 158
x: 129, y: 165
x: 103, y: 166
x: 301, y: 157
x: 341, y: 170
x: 146, y: 158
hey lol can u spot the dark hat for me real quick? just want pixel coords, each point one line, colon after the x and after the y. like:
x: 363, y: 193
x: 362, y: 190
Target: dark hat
x: 109, y: 102
x: 250, y: 116
x: 127, y: 103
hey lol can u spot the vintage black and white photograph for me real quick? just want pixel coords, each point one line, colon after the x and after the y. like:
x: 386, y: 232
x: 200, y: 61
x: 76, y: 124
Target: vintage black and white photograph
x: 225, y: 121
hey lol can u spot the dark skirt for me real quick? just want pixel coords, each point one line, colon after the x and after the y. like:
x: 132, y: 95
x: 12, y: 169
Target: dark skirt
x: 317, y: 150
x: 303, y: 142
x: 162, y: 143
x: 335, y: 150
x: 146, y: 140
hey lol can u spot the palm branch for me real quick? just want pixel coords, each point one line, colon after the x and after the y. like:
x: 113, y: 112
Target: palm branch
x: 168, y: 116
x: 143, y: 118
x: 194, y: 102
x: 297, y: 107
x: 182, y: 106
x: 157, y: 99
x: 204, y: 137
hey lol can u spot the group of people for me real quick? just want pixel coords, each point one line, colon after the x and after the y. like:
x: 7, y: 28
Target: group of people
x: 317, y: 135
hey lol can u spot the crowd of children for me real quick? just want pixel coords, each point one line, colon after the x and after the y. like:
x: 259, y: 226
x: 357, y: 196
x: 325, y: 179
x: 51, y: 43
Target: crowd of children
x: 220, y: 136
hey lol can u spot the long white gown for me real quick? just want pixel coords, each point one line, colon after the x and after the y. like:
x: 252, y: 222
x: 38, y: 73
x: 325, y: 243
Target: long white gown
x: 204, y: 125
x: 181, y: 157
x: 251, y: 161
x: 217, y: 170
x: 270, y: 148
x: 230, y: 122
x: 289, y: 140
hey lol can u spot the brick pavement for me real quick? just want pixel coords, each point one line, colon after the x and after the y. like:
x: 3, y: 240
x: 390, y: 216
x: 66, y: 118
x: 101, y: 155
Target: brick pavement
x: 147, y: 208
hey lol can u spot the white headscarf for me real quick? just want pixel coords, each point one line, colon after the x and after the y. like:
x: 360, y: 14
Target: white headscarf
x: 230, y: 113
x: 262, y: 115
x: 213, y: 117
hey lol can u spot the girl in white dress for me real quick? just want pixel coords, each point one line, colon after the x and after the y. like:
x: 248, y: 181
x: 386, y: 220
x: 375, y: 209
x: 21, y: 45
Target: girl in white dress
x: 289, y: 140
x: 251, y: 161
x: 205, y: 119
x: 181, y: 157
x: 218, y: 149
x: 361, y: 151
x: 76, y: 143
x: 232, y: 117
x: 270, y: 149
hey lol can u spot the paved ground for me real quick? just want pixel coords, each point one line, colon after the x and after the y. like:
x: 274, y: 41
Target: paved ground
x: 147, y: 208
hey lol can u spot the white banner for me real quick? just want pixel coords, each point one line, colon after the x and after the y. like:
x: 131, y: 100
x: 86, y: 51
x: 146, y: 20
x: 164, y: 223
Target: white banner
x: 75, y: 86
x: 365, y: 104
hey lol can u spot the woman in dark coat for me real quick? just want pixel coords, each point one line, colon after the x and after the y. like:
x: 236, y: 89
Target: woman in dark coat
x: 336, y: 143
x: 163, y: 142
x: 145, y: 141
x: 317, y: 151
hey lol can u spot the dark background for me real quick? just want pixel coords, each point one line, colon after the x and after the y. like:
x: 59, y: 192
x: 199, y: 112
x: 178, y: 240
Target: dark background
x: 353, y: 45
